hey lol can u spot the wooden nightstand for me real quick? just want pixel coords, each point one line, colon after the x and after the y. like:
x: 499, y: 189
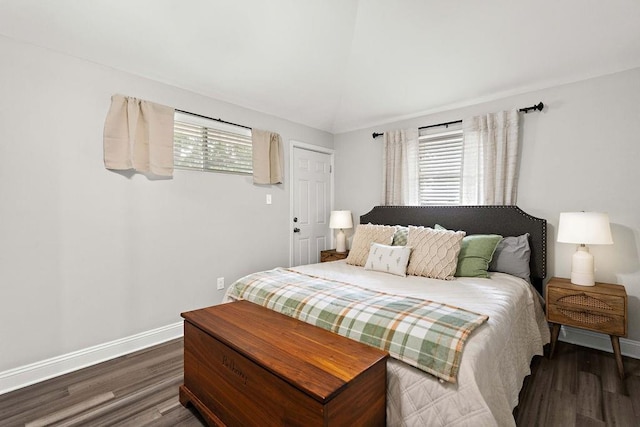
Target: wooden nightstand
x: 332, y: 255
x: 600, y: 308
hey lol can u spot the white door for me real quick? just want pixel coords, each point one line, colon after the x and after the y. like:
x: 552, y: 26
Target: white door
x: 312, y: 196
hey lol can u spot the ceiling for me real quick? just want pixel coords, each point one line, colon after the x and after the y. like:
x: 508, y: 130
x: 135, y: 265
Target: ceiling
x: 340, y: 65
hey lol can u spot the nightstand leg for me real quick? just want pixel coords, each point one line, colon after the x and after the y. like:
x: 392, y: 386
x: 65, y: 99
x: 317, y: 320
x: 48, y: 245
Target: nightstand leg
x: 555, y: 331
x: 615, y: 343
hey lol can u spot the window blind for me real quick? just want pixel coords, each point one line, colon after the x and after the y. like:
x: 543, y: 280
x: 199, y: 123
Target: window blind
x: 208, y: 145
x: 440, y: 167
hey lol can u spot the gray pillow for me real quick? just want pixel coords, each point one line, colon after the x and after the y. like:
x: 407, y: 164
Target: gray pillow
x: 512, y: 257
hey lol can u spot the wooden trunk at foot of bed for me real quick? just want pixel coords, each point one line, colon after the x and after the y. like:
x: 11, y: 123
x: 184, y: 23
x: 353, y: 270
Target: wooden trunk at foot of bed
x: 246, y: 365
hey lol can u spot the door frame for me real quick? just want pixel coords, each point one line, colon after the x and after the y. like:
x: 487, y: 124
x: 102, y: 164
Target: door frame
x: 319, y: 149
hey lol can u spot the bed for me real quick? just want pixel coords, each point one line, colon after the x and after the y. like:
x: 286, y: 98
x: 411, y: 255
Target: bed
x: 495, y: 354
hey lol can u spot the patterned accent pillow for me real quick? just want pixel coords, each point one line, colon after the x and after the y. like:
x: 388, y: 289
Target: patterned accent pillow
x: 365, y: 235
x: 435, y: 252
x: 400, y: 236
x: 388, y: 259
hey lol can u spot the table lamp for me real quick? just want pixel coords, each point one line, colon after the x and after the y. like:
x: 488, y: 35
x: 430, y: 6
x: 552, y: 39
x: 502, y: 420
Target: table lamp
x: 340, y: 220
x: 584, y: 228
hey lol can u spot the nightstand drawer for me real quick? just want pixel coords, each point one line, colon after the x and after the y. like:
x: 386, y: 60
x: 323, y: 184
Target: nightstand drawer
x: 584, y: 300
x: 598, y: 321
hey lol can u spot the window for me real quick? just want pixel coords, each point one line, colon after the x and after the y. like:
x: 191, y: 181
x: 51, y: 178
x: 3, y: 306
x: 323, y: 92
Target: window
x: 440, y: 166
x: 209, y: 145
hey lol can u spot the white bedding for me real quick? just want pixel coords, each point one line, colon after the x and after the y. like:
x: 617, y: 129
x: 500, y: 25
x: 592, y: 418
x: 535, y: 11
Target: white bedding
x: 495, y: 360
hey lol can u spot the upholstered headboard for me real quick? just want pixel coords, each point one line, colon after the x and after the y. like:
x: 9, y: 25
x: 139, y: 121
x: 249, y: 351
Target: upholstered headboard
x: 503, y: 220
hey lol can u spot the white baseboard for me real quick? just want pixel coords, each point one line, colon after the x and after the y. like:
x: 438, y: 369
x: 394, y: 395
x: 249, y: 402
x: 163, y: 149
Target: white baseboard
x: 599, y: 341
x: 23, y: 376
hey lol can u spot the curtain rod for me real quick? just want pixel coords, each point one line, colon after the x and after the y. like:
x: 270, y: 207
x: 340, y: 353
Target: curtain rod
x: 211, y: 118
x: 539, y: 106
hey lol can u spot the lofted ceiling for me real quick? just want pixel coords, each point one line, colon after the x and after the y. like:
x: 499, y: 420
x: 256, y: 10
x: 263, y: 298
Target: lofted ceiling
x: 340, y: 65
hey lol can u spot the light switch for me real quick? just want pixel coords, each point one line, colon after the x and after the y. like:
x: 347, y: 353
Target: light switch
x: 268, y: 199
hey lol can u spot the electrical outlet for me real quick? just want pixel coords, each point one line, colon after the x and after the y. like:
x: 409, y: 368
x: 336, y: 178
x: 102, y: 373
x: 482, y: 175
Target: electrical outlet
x: 220, y: 283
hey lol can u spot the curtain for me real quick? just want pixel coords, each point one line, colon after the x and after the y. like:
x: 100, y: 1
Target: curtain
x: 268, y: 157
x: 490, y: 159
x: 400, y: 167
x: 138, y: 135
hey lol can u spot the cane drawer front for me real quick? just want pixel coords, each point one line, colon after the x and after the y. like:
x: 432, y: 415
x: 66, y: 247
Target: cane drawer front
x: 601, y: 308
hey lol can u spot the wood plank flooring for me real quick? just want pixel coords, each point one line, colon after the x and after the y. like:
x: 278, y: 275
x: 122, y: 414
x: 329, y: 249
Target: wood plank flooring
x: 139, y: 389
x: 578, y: 387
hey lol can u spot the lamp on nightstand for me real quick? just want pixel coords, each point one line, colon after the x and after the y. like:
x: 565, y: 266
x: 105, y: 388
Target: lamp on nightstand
x: 340, y: 220
x: 584, y: 228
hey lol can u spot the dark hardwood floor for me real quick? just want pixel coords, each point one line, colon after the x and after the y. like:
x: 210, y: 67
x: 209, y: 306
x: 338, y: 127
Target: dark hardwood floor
x: 578, y: 387
x: 139, y: 389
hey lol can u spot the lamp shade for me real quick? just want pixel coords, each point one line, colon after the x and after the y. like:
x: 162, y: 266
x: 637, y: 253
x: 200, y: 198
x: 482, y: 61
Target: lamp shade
x: 340, y: 219
x: 589, y: 228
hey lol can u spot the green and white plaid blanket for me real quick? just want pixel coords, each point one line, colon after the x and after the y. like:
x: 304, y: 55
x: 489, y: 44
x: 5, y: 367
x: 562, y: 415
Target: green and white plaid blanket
x: 424, y: 334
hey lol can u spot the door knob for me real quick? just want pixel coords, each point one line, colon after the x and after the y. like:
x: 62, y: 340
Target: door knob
x: 296, y: 230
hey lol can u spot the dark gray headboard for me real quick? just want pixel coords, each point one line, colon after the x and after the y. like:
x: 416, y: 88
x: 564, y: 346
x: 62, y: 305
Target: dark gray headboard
x: 503, y: 220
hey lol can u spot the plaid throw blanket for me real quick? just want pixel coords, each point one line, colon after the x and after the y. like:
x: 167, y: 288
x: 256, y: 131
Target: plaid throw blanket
x: 424, y: 334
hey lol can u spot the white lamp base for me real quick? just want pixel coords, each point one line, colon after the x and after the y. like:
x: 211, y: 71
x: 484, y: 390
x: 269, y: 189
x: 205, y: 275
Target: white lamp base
x: 341, y: 242
x: 582, y: 267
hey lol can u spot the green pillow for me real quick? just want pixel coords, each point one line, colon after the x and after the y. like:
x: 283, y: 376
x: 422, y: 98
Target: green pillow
x: 475, y: 254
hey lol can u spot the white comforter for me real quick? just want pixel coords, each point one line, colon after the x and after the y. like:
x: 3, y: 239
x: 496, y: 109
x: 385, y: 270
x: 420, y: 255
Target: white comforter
x: 495, y: 360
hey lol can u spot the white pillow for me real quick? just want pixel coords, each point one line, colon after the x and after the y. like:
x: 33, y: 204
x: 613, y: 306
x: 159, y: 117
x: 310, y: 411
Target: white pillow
x: 435, y: 252
x: 388, y: 259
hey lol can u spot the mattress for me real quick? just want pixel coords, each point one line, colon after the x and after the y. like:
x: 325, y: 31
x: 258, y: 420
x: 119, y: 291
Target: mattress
x: 495, y: 359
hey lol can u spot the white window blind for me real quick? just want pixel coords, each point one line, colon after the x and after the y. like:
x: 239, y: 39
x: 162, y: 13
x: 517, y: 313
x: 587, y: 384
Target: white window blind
x: 209, y: 145
x: 440, y: 166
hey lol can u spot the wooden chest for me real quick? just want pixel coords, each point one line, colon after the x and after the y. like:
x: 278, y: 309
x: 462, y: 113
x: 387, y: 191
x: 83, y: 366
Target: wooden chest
x: 246, y: 365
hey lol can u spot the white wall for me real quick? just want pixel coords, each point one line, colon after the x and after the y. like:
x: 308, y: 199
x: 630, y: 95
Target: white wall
x: 88, y: 255
x: 581, y: 153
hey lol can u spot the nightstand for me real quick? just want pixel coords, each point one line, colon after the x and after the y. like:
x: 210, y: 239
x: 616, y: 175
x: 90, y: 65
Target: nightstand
x: 600, y: 308
x: 332, y: 255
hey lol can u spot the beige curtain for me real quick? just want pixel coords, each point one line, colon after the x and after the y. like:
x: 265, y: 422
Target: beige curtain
x: 490, y: 159
x: 138, y: 135
x: 400, y: 167
x: 268, y: 157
